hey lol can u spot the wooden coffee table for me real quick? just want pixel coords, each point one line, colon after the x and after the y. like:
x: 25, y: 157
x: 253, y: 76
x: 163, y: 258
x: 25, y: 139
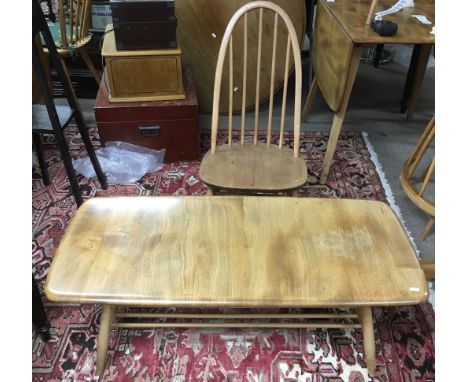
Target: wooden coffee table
x: 236, y: 251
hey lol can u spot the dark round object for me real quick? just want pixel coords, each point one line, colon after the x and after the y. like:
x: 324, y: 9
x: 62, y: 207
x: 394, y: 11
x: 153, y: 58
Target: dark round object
x: 384, y: 27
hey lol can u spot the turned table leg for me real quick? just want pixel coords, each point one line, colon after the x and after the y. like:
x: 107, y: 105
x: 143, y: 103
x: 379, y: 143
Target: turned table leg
x: 107, y: 317
x: 365, y: 316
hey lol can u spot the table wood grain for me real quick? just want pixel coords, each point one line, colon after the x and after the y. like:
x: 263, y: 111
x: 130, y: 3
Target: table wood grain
x: 352, y: 15
x: 235, y: 251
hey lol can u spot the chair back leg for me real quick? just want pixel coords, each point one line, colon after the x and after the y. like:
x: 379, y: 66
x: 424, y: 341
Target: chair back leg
x: 40, y: 158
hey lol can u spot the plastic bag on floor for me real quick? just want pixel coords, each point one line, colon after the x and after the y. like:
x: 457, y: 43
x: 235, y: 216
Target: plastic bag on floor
x: 122, y: 162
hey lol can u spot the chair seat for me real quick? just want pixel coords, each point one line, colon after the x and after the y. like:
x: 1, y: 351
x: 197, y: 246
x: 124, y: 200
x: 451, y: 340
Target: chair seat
x: 41, y: 121
x: 253, y: 167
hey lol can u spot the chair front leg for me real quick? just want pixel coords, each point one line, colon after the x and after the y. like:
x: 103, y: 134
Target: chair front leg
x: 107, y: 318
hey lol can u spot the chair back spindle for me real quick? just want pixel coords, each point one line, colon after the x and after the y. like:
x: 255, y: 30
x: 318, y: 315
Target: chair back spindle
x: 61, y: 17
x: 70, y: 19
x: 285, y: 96
x: 259, y: 64
x: 85, y: 19
x: 77, y: 21
x: 244, y: 80
x: 272, y: 79
x: 74, y: 22
x: 82, y: 18
x: 230, y: 90
x: 227, y: 41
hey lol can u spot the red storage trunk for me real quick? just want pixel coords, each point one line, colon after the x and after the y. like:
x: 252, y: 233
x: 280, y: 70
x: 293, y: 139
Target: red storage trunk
x: 172, y: 125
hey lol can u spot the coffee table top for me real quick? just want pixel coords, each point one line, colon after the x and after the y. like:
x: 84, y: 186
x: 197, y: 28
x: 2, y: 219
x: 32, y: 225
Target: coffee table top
x: 238, y: 251
x: 352, y: 16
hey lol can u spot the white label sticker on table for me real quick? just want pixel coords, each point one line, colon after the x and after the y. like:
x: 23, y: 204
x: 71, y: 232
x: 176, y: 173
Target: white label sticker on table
x: 423, y: 19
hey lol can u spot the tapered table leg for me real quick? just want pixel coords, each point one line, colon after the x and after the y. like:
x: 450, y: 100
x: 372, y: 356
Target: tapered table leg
x: 310, y: 97
x: 107, y: 317
x: 340, y: 114
x: 410, y: 78
x: 365, y: 316
x: 423, y: 58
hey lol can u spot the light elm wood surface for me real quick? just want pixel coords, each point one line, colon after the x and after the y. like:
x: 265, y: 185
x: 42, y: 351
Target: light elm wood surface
x: 256, y: 168
x: 235, y: 251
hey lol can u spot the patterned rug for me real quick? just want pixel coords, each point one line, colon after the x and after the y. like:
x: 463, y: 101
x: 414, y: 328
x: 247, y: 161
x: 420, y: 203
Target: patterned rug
x: 404, y: 336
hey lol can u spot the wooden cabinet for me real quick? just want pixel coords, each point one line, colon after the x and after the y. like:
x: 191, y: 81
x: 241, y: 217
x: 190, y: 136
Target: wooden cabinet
x: 172, y: 124
x: 142, y: 75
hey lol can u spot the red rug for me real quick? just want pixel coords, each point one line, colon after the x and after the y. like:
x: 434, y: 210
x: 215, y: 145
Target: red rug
x: 405, y: 335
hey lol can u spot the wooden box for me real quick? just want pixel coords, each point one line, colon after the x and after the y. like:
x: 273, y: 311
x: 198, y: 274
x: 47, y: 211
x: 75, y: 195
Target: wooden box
x: 144, y: 24
x: 172, y: 125
x: 142, y: 75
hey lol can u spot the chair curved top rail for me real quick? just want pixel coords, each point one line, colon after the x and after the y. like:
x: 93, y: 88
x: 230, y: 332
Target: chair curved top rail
x: 226, y: 41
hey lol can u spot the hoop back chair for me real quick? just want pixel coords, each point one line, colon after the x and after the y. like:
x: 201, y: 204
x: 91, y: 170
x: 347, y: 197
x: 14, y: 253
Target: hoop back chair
x: 409, y: 181
x: 71, y: 32
x: 256, y: 167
